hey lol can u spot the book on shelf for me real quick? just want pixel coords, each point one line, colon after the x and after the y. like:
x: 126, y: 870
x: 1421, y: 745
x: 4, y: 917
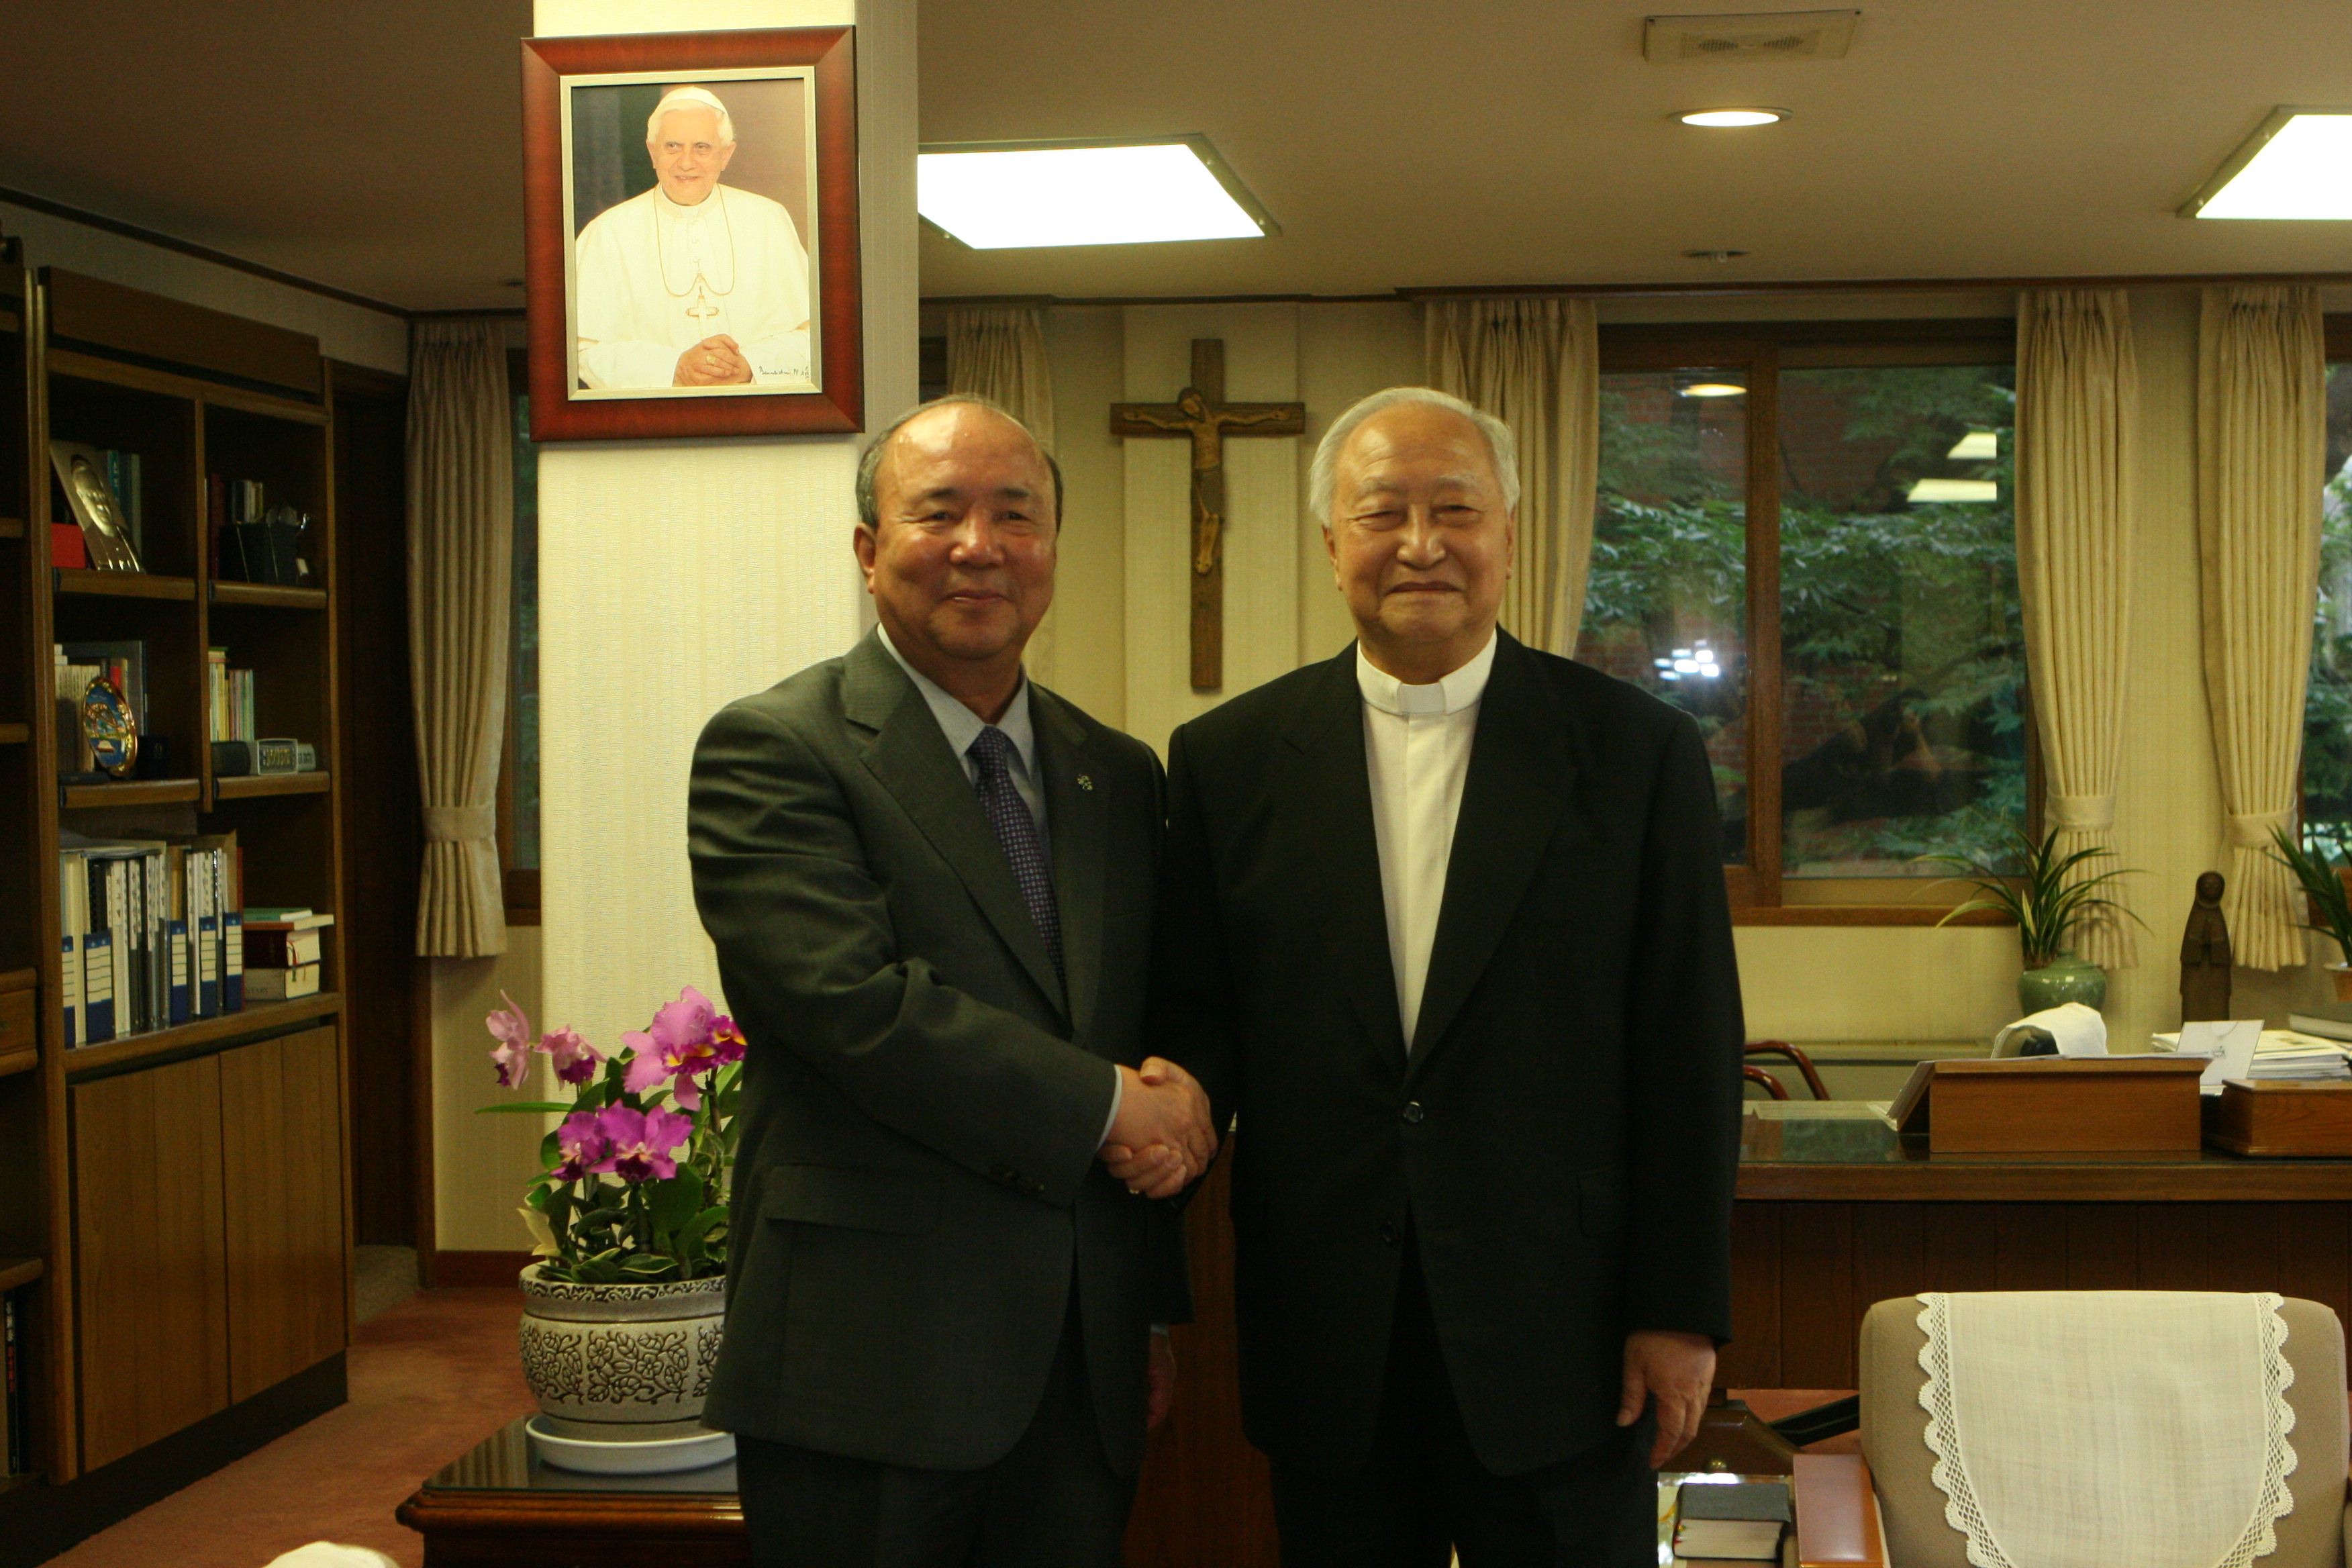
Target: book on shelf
x: 151, y: 934
x: 123, y: 476
x: 65, y: 547
x: 229, y: 699
x: 275, y: 949
x: 281, y: 985
x: 17, y: 1426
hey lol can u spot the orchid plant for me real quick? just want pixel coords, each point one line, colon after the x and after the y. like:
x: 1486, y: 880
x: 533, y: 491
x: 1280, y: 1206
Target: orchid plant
x: 634, y: 1188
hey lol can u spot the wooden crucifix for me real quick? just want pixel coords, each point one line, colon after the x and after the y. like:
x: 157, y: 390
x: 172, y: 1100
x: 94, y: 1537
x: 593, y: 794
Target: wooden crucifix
x: 1201, y: 413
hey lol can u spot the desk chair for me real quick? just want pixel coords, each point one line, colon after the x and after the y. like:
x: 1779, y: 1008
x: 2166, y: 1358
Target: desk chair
x: 1835, y: 1492
x: 1804, y: 1064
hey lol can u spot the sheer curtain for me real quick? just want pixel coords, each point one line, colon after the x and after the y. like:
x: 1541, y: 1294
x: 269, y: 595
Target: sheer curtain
x: 1534, y: 364
x: 460, y: 545
x: 2077, y: 403
x: 2262, y: 411
x: 999, y: 351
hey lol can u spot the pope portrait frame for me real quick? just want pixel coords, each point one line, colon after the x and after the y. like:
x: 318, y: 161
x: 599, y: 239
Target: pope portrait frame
x: 554, y: 70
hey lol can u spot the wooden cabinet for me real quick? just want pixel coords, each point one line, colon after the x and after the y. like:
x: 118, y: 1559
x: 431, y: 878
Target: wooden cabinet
x: 208, y: 1234
x: 152, y: 1279
x: 282, y: 1144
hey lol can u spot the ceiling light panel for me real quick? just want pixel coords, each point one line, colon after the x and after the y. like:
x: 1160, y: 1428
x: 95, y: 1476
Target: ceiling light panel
x: 1725, y: 119
x: 1956, y: 492
x: 2298, y: 165
x: 1001, y: 196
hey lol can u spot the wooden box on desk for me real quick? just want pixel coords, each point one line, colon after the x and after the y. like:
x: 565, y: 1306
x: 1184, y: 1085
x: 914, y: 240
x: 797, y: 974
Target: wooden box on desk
x: 2055, y: 1105
x: 2281, y: 1117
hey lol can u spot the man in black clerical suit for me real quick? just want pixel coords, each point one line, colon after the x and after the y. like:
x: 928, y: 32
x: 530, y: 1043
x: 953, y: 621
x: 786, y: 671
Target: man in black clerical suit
x: 931, y: 884
x: 1442, y: 920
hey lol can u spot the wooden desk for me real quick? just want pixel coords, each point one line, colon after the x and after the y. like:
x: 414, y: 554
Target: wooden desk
x: 498, y: 1507
x: 1834, y: 1215
x: 1830, y: 1218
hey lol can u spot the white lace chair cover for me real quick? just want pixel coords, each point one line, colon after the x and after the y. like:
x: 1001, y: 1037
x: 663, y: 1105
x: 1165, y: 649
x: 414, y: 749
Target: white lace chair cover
x: 2153, y: 1433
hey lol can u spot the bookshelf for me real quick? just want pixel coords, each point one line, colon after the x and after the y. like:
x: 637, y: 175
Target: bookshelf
x: 106, y: 1258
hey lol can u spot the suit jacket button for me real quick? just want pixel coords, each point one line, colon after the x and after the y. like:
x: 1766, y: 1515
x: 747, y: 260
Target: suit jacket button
x: 1388, y: 1233
x: 1412, y: 1111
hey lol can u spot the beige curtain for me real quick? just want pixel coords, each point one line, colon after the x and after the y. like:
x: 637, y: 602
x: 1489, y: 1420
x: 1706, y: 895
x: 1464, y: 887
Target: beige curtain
x: 2262, y: 411
x: 999, y: 351
x: 461, y: 546
x: 2077, y: 404
x: 1534, y: 364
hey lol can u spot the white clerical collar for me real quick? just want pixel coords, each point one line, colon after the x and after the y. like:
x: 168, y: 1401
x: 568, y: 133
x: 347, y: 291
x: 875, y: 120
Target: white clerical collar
x: 1450, y: 694
x: 677, y: 212
x: 958, y: 723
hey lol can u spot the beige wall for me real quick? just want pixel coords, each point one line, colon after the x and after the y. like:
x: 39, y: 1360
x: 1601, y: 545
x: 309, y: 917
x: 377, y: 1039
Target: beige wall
x: 1116, y: 658
x: 482, y: 1164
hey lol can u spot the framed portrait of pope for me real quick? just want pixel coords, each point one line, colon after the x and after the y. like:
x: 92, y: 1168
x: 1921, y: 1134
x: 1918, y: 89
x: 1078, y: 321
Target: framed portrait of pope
x: 691, y: 231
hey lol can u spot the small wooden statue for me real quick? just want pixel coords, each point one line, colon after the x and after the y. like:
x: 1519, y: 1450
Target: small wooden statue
x: 2205, y: 956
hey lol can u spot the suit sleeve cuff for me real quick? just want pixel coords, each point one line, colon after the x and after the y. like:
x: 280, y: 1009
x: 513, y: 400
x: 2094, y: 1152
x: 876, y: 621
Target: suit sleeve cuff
x: 1117, y: 1093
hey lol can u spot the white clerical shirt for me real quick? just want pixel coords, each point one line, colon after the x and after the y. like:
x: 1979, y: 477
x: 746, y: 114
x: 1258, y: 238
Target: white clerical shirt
x: 1417, y: 749
x: 652, y: 278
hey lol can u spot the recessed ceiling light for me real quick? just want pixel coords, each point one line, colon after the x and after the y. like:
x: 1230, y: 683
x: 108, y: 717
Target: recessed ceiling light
x: 2293, y: 167
x: 1956, y: 492
x: 999, y: 196
x: 1717, y: 119
x: 1711, y: 389
x: 1976, y: 447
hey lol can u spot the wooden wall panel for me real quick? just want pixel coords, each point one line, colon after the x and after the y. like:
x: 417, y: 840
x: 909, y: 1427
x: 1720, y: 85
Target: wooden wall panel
x: 1752, y: 1359
x: 1805, y: 1273
x: 151, y: 1294
x: 281, y: 1119
x: 1816, y: 1340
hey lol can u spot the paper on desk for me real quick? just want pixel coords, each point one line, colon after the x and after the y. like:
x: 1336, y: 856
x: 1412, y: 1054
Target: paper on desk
x: 2079, y: 1030
x: 2229, y: 1046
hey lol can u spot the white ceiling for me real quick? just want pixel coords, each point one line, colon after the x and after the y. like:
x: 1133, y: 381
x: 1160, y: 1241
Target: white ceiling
x: 1490, y: 142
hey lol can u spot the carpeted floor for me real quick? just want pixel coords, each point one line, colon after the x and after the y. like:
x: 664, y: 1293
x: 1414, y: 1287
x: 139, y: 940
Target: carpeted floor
x: 429, y: 1379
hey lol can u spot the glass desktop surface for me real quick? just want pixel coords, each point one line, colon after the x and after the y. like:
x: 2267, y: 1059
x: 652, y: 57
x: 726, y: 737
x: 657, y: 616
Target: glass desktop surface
x: 506, y: 1462
x: 1871, y: 1140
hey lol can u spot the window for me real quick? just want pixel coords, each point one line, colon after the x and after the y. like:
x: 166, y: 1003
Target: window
x: 1806, y: 539
x: 2327, y: 701
x: 519, y: 777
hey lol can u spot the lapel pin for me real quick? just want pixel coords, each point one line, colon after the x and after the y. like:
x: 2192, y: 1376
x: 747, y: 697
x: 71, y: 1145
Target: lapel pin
x: 1086, y: 782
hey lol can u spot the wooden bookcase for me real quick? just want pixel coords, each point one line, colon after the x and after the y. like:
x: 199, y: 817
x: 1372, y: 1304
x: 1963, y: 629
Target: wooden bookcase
x: 178, y: 1220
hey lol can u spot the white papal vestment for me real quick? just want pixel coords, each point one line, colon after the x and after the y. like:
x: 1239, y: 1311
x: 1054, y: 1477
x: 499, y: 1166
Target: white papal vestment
x: 644, y: 264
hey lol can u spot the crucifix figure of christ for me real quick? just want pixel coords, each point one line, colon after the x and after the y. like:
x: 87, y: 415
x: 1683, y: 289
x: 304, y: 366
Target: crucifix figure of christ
x: 1201, y: 413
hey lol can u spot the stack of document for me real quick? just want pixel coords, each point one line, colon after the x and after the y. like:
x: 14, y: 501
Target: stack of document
x: 2286, y: 1054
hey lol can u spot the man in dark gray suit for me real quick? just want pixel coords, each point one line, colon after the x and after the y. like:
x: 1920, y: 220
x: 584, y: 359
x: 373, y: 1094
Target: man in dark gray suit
x: 931, y: 884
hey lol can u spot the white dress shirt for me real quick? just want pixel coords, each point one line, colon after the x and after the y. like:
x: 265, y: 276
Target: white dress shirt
x: 645, y: 266
x: 1417, y: 750
x: 961, y: 726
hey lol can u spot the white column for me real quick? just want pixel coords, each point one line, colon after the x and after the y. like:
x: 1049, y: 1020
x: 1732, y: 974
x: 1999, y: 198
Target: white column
x: 1262, y: 520
x: 676, y: 575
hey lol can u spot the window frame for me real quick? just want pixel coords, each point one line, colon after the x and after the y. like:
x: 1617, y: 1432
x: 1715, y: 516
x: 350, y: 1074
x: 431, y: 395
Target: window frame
x: 521, y: 883
x: 1762, y: 350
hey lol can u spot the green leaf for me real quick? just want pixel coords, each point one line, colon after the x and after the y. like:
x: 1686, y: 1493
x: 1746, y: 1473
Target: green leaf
x: 671, y: 1204
x: 525, y: 1108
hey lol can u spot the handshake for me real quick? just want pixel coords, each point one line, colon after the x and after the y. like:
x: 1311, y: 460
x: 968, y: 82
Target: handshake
x: 1162, y: 1138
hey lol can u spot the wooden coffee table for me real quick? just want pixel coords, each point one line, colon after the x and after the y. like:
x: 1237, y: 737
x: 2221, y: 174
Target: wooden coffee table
x: 498, y: 1506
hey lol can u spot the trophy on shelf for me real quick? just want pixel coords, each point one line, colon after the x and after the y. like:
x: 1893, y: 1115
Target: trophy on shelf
x: 105, y: 533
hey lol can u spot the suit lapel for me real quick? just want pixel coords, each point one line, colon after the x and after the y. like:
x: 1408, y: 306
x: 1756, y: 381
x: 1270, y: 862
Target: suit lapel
x: 1077, y: 818
x: 909, y: 757
x: 1516, y: 799
x: 1336, y: 798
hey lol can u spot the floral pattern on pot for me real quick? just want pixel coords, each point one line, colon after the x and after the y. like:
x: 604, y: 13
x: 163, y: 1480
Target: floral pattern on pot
x: 621, y: 1358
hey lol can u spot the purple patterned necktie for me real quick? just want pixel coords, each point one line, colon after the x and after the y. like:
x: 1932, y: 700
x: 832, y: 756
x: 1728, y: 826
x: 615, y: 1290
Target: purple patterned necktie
x: 1016, y: 830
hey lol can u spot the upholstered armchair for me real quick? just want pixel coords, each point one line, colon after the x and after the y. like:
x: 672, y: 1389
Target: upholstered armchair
x: 1883, y: 1508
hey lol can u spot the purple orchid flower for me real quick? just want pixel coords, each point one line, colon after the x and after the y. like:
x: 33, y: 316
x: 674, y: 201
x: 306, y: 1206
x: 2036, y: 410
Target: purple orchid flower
x: 575, y: 1059
x: 580, y: 1146
x: 688, y: 1036
x: 642, y: 1145
x: 512, y: 1053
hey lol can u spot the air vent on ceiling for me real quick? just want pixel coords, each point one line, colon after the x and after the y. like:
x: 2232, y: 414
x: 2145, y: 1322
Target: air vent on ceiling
x: 1749, y: 36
